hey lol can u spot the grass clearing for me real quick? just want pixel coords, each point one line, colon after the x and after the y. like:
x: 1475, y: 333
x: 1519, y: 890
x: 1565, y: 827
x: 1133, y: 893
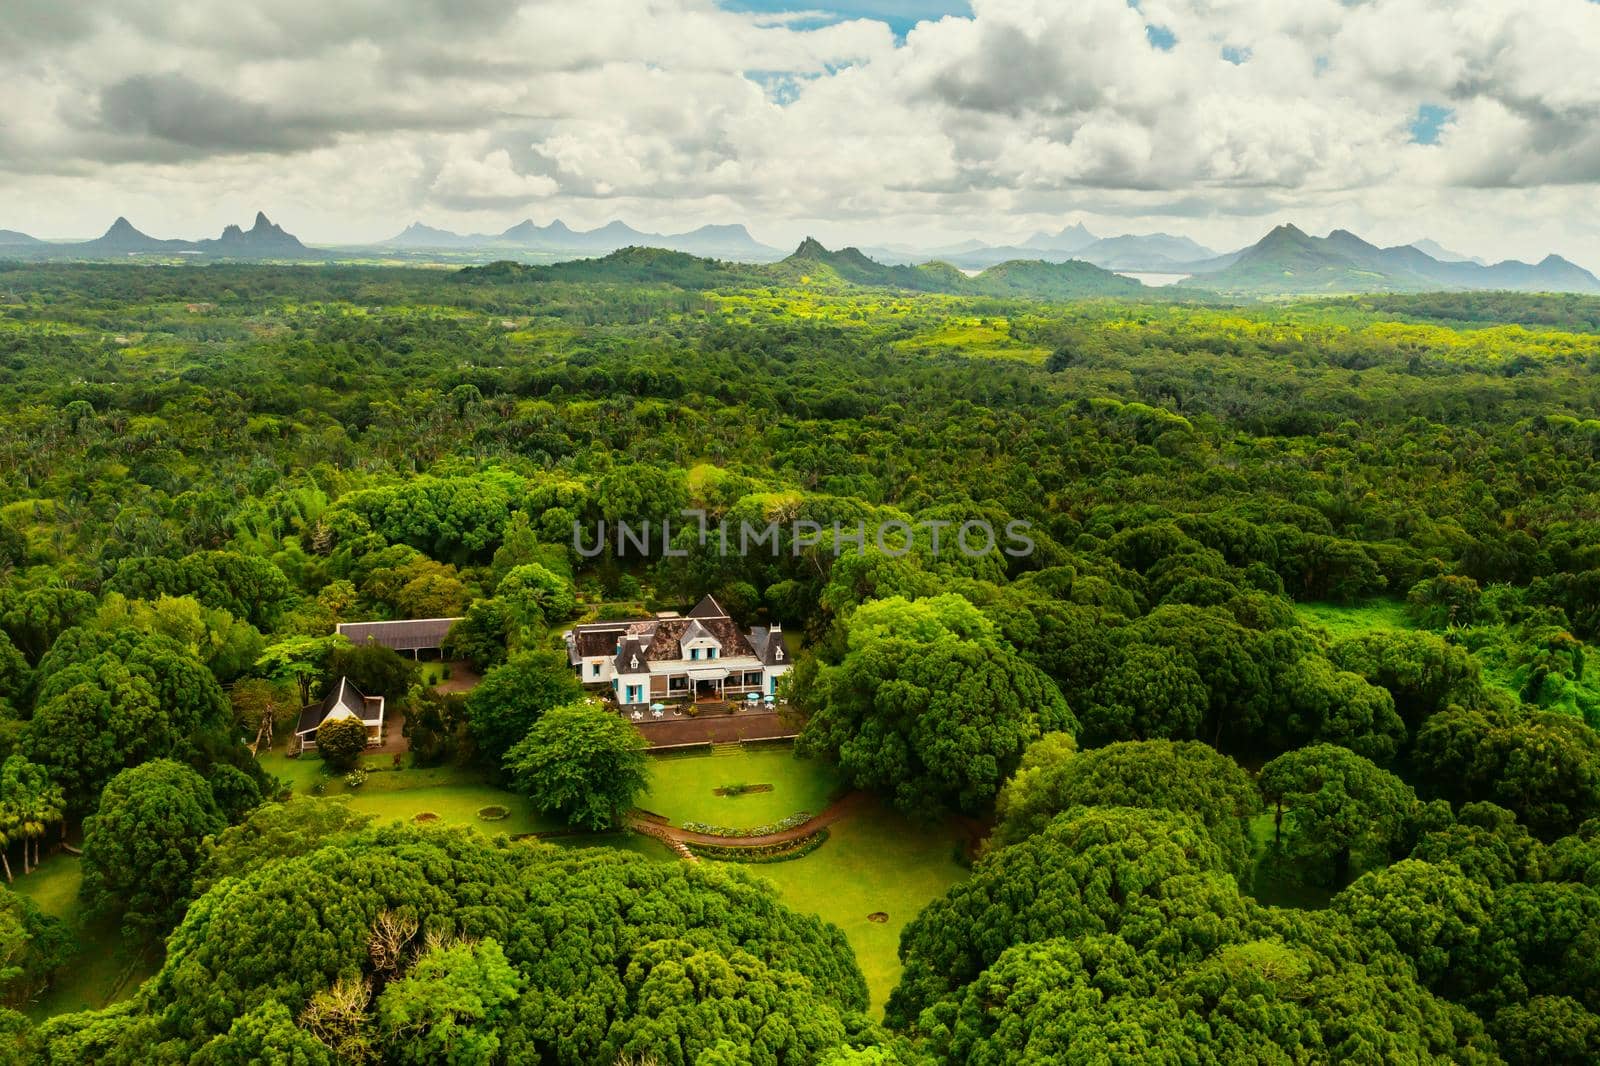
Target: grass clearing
x: 1347, y: 620
x: 682, y: 787
x: 104, y: 970
x: 876, y: 861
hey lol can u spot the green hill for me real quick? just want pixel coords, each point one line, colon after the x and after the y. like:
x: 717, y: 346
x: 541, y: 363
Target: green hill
x: 1035, y: 277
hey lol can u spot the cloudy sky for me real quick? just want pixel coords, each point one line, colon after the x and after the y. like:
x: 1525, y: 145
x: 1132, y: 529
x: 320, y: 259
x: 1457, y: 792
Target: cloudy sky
x: 1475, y: 122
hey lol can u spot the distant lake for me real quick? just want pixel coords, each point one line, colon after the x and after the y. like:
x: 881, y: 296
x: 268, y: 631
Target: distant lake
x: 1154, y: 281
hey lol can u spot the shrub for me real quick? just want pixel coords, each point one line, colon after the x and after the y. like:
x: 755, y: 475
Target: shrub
x: 355, y: 778
x: 341, y: 740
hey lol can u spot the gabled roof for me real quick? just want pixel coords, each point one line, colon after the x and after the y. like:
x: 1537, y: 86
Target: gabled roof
x: 344, y: 695
x: 708, y: 607
x: 769, y: 647
x: 695, y: 631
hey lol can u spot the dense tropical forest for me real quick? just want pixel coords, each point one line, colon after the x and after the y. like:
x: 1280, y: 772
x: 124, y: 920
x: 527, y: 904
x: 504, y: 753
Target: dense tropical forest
x: 1279, y: 746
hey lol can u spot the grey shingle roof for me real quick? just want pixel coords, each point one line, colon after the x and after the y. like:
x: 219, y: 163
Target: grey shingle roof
x: 408, y: 634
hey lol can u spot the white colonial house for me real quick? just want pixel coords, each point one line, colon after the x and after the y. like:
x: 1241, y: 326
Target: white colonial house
x: 699, y: 656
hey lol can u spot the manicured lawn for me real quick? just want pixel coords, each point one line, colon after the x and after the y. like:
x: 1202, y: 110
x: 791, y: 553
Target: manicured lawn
x: 682, y: 787
x: 874, y: 861
x: 102, y: 973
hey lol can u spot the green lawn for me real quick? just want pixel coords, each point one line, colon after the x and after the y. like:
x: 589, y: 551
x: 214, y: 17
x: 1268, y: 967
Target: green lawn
x: 874, y: 861
x: 1344, y: 620
x: 683, y: 787
x: 103, y: 972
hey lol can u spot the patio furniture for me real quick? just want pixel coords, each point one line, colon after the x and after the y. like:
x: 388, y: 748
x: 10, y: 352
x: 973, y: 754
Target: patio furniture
x: 657, y: 714
x: 638, y: 716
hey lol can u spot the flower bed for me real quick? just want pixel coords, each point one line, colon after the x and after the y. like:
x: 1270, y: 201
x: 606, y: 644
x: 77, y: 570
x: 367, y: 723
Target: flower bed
x: 493, y: 814
x: 740, y: 790
x: 789, y: 849
x: 793, y: 821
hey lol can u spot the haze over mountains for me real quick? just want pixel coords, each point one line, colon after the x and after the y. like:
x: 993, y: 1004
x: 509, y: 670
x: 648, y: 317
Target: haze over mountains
x: 1287, y: 261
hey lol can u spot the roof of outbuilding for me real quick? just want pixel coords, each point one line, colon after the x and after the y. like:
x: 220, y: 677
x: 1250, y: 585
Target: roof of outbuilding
x: 404, y: 634
x: 345, y: 695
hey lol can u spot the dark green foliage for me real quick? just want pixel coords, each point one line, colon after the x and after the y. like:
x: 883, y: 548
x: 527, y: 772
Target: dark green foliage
x: 375, y: 670
x: 582, y: 762
x: 1339, y: 809
x: 562, y: 957
x: 108, y: 701
x: 1187, y: 778
x: 32, y: 947
x: 929, y: 705
x: 435, y: 727
x: 511, y: 697
x: 340, y: 741
x: 142, y: 847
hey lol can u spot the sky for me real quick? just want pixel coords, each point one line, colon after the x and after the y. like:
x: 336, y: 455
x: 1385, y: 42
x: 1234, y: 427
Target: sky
x: 913, y: 122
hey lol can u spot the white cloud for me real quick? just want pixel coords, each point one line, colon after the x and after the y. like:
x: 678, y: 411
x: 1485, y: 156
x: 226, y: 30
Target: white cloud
x: 359, y: 116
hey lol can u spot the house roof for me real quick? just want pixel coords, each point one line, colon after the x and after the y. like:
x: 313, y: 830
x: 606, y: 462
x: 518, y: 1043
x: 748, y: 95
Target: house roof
x: 407, y: 634
x: 344, y: 695
x: 656, y: 640
x: 708, y: 607
x: 769, y: 647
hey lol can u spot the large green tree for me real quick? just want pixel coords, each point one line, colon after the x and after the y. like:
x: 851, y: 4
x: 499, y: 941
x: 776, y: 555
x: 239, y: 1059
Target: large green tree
x: 142, y: 847
x: 927, y: 704
x: 1341, y: 808
x: 512, y: 697
x: 582, y: 762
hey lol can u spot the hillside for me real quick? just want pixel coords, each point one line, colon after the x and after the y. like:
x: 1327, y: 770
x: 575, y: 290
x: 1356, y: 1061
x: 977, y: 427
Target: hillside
x: 1290, y: 261
x: 1044, y: 280
x: 651, y: 266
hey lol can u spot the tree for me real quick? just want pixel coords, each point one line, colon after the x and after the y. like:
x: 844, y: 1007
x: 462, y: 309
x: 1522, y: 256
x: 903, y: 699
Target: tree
x: 928, y: 704
x: 450, y: 1007
x: 340, y: 741
x: 582, y: 762
x: 436, y: 726
x: 1430, y: 914
x: 538, y: 596
x: 375, y: 670
x: 1187, y: 777
x: 1341, y: 807
x: 511, y: 697
x: 32, y: 804
x: 302, y: 660
x: 1155, y: 877
x: 277, y: 831
x: 34, y: 618
x: 1150, y: 693
x: 33, y: 945
x: 143, y: 846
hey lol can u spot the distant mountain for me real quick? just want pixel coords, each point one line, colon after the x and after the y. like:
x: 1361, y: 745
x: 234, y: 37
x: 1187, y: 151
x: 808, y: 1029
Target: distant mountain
x: 1074, y: 238
x: 265, y: 239
x: 1161, y: 252
x: 557, y: 238
x: 1289, y: 261
x: 1044, y: 280
x: 1445, y: 255
x: 10, y: 238
x: 417, y: 235
x: 813, y: 264
x: 123, y: 239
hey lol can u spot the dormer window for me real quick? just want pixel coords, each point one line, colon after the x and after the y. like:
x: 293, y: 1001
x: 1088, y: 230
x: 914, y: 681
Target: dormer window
x: 777, y: 653
x: 694, y: 653
x: 634, y: 662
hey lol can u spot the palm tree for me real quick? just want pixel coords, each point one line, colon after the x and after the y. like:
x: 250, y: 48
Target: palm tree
x: 7, y: 830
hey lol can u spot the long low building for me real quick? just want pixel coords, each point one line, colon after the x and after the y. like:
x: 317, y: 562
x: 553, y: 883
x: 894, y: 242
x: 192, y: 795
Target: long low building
x: 700, y: 656
x: 414, y: 635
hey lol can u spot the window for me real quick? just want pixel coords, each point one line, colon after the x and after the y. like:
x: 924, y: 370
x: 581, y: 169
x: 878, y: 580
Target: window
x: 694, y: 653
x: 596, y: 670
x: 711, y: 653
